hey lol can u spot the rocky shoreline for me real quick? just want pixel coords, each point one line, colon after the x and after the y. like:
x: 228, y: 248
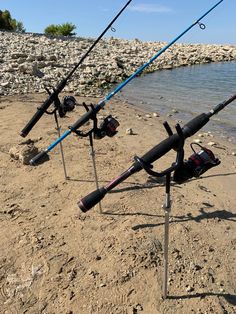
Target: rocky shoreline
x: 31, y: 61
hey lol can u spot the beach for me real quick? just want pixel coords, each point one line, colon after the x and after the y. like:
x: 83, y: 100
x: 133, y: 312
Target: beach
x: 56, y: 259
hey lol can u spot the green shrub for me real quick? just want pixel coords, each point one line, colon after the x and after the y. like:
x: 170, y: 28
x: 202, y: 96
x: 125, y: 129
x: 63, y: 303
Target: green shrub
x: 60, y: 30
x: 10, y: 24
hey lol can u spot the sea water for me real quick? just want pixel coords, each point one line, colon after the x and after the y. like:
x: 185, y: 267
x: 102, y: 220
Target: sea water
x: 188, y: 91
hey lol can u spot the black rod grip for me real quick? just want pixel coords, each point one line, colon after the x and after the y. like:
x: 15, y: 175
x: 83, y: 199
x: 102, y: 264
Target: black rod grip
x: 82, y: 120
x: 194, y: 125
x: 161, y: 149
x: 35, y: 160
x: 172, y: 142
x: 41, y: 110
x: 39, y: 113
x: 91, y: 199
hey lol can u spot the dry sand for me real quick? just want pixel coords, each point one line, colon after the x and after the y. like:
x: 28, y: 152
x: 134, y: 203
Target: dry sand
x: 55, y: 259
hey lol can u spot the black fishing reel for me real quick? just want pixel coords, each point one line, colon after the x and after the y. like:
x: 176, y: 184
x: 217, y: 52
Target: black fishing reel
x: 107, y: 128
x: 68, y: 104
x: 198, y: 163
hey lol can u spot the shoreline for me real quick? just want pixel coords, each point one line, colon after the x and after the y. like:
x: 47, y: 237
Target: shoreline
x: 112, y: 61
x: 186, y: 92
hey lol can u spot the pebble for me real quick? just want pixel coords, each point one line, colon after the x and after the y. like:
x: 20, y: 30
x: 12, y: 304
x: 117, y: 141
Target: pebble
x: 175, y: 110
x: 211, y: 144
x: 102, y: 285
x: 197, y: 140
x: 189, y: 288
x: 195, y: 266
x: 129, y: 131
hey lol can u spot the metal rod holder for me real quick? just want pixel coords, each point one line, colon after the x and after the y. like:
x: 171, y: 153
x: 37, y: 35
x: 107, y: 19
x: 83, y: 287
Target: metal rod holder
x: 58, y: 128
x: 92, y: 154
x: 167, y: 209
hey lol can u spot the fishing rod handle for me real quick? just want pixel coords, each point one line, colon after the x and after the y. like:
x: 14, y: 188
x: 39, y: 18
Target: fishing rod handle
x: 41, y: 110
x: 90, y: 114
x: 39, y: 113
x: 92, y: 199
x: 96, y: 196
x: 172, y: 142
x: 35, y: 160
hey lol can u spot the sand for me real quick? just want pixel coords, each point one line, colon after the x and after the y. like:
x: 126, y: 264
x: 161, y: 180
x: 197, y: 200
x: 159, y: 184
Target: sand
x: 56, y: 259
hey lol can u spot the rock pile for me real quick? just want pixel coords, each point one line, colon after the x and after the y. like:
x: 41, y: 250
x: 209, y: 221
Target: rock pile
x: 31, y: 61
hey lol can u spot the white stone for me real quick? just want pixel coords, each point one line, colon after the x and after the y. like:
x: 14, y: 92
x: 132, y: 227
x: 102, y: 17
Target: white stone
x: 129, y: 131
x: 211, y: 143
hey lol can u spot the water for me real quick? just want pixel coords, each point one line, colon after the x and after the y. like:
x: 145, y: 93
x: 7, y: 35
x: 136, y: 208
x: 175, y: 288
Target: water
x: 190, y: 90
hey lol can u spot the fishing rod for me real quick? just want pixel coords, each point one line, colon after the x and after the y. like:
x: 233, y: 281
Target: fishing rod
x: 197, y: 164
x: 95, y: 109
x: 53, y: 97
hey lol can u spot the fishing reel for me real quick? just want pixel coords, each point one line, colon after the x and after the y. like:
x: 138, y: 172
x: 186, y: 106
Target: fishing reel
x: 197, y: 164
x: 68, y: 104
x: 107, y: 128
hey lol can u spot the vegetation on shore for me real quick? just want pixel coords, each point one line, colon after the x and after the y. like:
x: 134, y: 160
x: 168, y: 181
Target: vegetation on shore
x: 7, y: 23
x: 10, y: 24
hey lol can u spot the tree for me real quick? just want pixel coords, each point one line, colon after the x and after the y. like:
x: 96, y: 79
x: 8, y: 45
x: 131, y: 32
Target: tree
x: 18, y: 26
x: 52, y: 30
x: 10, y: 24
x: 5, y: 18
x: 65, y: 29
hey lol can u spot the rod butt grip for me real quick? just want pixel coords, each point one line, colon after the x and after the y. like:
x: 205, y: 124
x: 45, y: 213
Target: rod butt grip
x: 41, y: 157
x: 87, y: 202
x: 23, y: 134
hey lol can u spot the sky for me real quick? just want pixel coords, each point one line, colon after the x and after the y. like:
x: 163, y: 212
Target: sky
x: 147, y: 20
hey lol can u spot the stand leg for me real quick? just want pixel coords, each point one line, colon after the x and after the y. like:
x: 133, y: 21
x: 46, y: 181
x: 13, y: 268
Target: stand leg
x: 92, y: 154
x: 167, y: 208
x: 61, y: 147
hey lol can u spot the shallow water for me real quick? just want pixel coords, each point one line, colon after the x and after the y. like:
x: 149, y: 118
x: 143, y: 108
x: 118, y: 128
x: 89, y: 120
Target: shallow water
x: 190, y: 90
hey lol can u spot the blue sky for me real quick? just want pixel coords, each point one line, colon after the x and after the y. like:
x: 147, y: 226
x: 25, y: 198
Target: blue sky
x: 150, y: 20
